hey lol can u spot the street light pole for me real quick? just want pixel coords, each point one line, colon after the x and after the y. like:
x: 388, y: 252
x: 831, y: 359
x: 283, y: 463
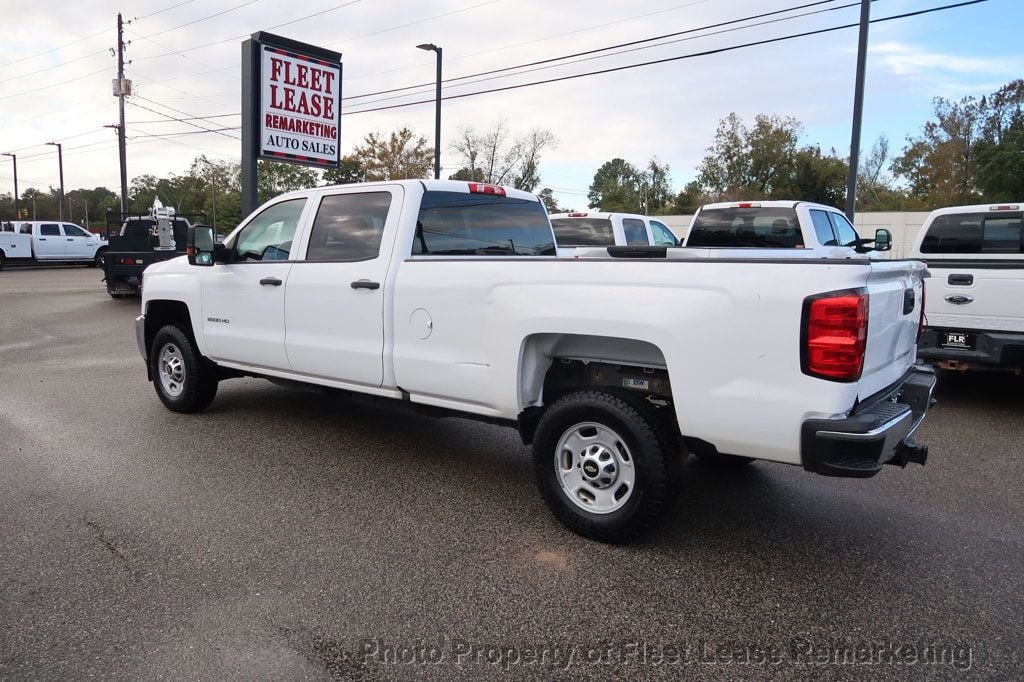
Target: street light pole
x: 858, y: 108
x: 430, y: 47
x: 60, y: 165
x: 14, y: 158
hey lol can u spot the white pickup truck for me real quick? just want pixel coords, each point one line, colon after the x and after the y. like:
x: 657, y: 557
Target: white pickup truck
x: 447, y: 296
x: 595, y: 228
x: 975, y: 309
x: 795, y: 229
x: 51, y: 241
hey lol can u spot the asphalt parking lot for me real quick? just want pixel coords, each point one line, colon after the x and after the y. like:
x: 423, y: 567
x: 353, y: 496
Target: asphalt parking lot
x: 289, y: 533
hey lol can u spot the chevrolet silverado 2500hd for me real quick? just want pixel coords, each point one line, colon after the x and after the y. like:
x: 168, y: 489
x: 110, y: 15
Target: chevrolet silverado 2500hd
x: 448, y: 297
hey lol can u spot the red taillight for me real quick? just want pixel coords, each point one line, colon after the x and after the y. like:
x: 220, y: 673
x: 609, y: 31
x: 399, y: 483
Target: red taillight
x: 748, y: 204
x: 835, y: 335
x: 481, y: 188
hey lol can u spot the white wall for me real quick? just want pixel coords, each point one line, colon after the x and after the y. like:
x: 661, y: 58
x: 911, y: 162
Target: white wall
x: 904, y: 227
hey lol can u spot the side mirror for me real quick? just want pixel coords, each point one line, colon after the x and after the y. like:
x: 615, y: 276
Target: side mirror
x: 883, y: 240
x: 201, y: 245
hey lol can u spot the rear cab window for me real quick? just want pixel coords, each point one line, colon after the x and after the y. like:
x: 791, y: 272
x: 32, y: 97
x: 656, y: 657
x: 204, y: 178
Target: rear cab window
x: 974, y: 233
x: 764, y: 227
x: 583, y: 231
x: 635, y: 232
x: 464, y: 224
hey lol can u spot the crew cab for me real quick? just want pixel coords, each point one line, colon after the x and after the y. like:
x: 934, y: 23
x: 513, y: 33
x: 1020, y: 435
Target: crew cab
x: 447, y: 297
x: 796, y: 229
x: 52, y: 241
x: 975, y: 310
x: 590, y: 228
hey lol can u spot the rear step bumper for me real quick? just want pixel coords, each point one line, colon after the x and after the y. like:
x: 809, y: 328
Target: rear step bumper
x: 990, y: 349
x: 879, y: 431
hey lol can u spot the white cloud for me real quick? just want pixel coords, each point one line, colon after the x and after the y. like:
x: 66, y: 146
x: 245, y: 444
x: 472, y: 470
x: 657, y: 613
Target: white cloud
x: 911, y: 60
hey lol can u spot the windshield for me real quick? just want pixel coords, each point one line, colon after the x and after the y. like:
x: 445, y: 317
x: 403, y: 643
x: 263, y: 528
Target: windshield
x: 746, y: 227
x: 583, y: 231
x: 460, y: 224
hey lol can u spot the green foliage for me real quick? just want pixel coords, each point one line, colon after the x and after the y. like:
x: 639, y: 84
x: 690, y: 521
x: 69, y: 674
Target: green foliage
x: 399, y: 156
x: 547, y: 195
x: 350, y: 170
x: 621, y: 187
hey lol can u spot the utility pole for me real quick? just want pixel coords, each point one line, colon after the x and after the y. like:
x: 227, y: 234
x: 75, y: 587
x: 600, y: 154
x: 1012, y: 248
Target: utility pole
x: 858, y: 108
x: 14, y: 157
x: 60, y: 166
x: 120, y: 105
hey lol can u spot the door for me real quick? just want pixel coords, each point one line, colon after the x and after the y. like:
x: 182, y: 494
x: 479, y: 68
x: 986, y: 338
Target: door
x: 334, y: 302
x: 76, y: 243
x: 243, y: 300
x: 50, y: 242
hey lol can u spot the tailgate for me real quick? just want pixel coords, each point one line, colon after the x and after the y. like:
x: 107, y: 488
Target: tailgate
x: 987, y: 295
x: 894, y: 313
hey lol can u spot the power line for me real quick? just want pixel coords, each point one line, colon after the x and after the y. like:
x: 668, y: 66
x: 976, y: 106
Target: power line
x: 201, y: 19
x: 549, y: 62
x: 53, y: 85
x: 172, y: 119
x: 244, y: 35
x: 693, y: 55
x: 165, y: 9
x: 610, y: 47
x: 187, y: 118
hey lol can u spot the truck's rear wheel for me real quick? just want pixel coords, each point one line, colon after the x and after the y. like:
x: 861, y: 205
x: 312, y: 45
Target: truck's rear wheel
x: 184, y: 379
x: 101, y: 259
x: 3, y: 259
x: 606, y: 464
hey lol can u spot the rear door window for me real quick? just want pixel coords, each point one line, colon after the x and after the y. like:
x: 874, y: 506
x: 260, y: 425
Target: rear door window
x: 635, y: 232
x: 348, y: 227
x: 583, y: 231
x: 767, y: 227
x: 49, y: 231
x: 464, y: 224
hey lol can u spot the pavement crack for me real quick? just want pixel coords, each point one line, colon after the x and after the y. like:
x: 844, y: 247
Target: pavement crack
x: 101, y: 535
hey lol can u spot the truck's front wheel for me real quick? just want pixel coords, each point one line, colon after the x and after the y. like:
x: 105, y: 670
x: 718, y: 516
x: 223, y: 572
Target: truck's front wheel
x: 184, y: 379
x: 606, y: 464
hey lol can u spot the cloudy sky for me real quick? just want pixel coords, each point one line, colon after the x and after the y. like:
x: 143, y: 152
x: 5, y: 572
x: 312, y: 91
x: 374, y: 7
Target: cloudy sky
x: 56, y: 68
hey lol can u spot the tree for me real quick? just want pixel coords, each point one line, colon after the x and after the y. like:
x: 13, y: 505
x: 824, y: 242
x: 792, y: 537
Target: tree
x: 616, y: 187
x: 350, y: 170
x: 999, y: 151
x: 688, y: 200
x: 656, y: 187
x: 498, y: 158
x: 399, y: 156
x: 818, y: 177
x: 277, y: 178
x: 759, y: 162
x: 547, y: 195
x: 939, y: 165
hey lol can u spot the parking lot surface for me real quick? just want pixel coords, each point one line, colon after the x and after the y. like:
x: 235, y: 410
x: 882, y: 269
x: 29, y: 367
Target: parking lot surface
x: 291, y: 533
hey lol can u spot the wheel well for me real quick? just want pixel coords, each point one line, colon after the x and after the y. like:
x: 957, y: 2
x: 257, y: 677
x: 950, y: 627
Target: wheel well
x: 162, y: 313
x: 556, y: 363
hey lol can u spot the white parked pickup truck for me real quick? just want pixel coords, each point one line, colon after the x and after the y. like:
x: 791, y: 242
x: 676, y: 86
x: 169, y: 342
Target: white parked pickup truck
x: 52, y: 241
x: 795, y: 229
x: 447, y: 297
x: 975, y: 310
x: 590, y: 228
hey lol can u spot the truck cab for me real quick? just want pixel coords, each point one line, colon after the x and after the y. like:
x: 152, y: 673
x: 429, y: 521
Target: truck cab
x: 52, y: 241
x: 786, y: 229
x: 596, y: 228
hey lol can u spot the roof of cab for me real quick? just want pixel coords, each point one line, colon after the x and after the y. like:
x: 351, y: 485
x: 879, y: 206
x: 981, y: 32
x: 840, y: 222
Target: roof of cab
x: 979, y: 208
x: 774, y: 203
x: 601, y: 215
x: 427, y: 185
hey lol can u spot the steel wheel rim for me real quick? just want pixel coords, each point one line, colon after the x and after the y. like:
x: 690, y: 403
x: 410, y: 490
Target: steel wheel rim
x: 171, y: 368
x: 595, y: 468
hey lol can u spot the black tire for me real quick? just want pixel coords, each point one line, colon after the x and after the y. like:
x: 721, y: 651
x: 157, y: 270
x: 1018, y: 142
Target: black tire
x: 100, y: 260
x: 197, y: 385
x: 649, y: 443
x: 3, y: 259
x: 721, y: 462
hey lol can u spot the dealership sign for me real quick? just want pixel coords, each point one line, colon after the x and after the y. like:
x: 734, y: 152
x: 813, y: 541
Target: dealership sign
x: 299, y: 107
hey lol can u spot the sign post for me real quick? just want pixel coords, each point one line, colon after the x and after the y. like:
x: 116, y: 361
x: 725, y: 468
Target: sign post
x: 291, y: 107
